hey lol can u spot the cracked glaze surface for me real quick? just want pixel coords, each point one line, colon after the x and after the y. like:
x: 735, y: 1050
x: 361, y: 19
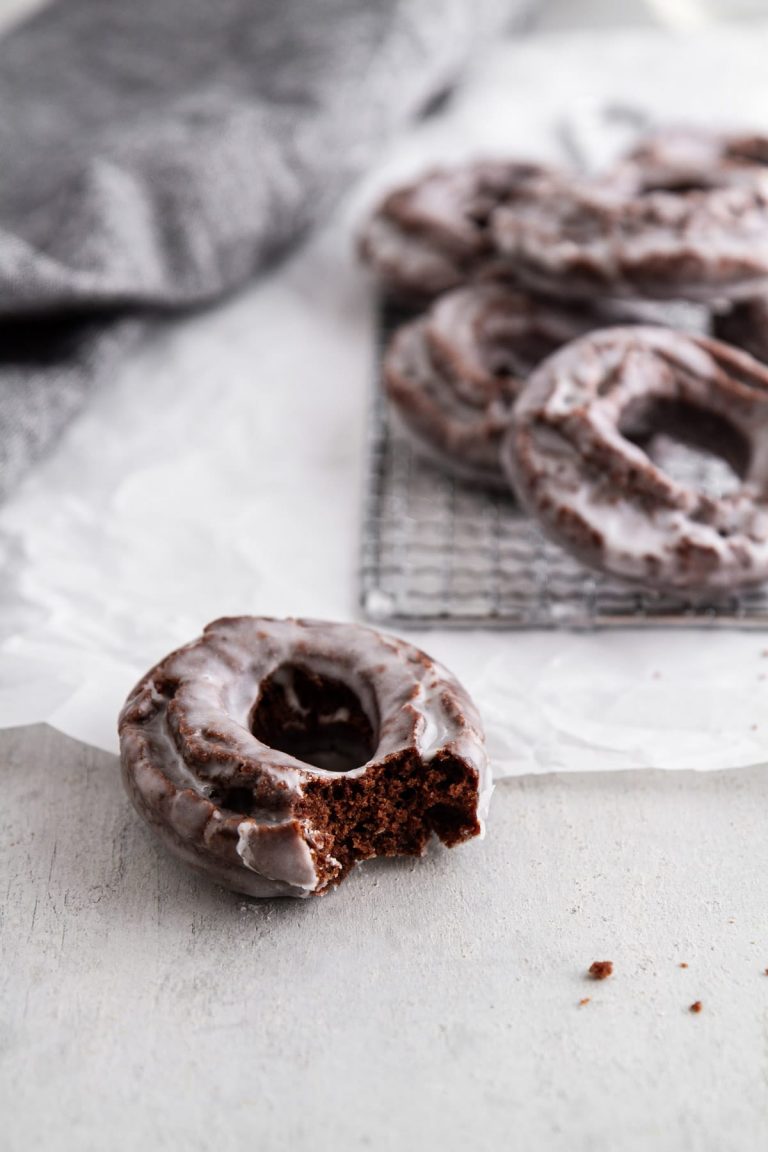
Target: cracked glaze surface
x: 688, y: 156
x: 434, y: 234
x: 577, y: 458
x: 620, y: 237
x: 454, y: 374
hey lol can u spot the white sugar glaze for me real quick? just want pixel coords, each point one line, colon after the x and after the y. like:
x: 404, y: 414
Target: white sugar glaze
x: 583, y: 239
x: 433, y: 234
x: 599, y: 493
x: 453, y: 375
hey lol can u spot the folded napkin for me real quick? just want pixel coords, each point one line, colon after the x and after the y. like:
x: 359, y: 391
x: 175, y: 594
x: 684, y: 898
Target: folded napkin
x: 155, y: 154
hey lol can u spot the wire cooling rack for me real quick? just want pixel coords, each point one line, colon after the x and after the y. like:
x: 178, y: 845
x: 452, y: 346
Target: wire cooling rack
x: 440, y: 552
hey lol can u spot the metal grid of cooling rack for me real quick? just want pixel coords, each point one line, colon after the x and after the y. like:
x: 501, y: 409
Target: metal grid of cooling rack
x: 439, y: 552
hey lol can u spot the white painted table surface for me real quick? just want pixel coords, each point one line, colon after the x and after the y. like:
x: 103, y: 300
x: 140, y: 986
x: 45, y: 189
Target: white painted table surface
x: 431, y: 1004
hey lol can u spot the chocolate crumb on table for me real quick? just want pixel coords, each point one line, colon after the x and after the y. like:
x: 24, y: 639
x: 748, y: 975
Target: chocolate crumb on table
x: 601, y: 969
x: 695, y: 1007
x: 585, y: 1000
x: 683, y: 964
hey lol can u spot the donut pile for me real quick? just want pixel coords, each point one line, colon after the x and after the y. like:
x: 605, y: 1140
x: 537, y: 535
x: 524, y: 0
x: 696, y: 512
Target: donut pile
x: 531, y: 361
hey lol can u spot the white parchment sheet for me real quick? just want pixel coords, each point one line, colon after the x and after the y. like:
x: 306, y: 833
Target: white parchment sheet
x: 221, y: 471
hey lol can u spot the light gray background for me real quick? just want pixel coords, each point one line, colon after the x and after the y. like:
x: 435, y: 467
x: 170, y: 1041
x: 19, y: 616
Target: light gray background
x: 424, y: 1005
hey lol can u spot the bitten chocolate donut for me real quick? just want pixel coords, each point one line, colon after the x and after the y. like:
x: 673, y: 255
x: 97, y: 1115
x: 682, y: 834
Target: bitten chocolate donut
x: 580, y: 449
x: 453, y: 375
x: 434, y: 234
x: 624, y: 239
x: 275, y: 754
x: 746, y: 325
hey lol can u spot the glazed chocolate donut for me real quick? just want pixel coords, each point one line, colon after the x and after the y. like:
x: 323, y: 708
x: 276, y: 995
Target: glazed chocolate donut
x: 434, y: 234
x: 688, y: 159
x: 579, y: 454
x: 275, y: 754
x: 620, y: 238
x: 453, y: 375
x: 746, y: 325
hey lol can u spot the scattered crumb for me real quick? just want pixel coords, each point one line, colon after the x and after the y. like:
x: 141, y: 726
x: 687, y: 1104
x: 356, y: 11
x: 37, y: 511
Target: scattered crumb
x: 731, y: 919
x: 764, y: 652
x: 601, y: 969
x: 753, y: 727
x: 683, y: 964
x: 766, y: 972
x: 695, y: 1007
x: 586, y: 1000
x: 762, y: 676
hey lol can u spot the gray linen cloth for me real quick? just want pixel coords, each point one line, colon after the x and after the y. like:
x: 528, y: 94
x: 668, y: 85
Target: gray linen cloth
x: 154, y: 154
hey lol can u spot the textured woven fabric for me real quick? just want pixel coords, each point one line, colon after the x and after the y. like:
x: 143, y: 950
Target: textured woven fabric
x: 155, y: 154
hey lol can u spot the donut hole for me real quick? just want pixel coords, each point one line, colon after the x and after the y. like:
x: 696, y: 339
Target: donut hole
x: 314, y: 718
x: 679, y: 185
x: 512, y: 349
x: 480, y: 209
x: 480, y: 218
x: 234, y: 799
x: 696, y: 447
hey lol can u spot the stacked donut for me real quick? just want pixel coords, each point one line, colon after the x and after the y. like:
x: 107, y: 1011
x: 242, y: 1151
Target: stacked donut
x: 531, y: 361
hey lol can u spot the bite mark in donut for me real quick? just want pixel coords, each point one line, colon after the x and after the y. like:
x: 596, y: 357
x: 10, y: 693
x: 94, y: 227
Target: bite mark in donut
x: 275, y: 754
